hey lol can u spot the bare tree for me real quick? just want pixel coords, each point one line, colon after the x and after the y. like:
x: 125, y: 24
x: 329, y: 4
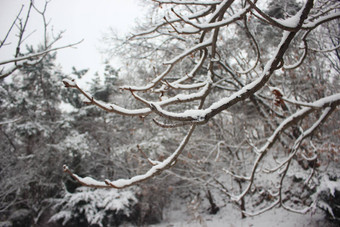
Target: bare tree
x: 238, y: 58
x: 20, y: 24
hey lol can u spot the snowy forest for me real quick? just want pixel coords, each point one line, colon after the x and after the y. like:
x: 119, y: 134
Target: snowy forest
x: 224, y: 113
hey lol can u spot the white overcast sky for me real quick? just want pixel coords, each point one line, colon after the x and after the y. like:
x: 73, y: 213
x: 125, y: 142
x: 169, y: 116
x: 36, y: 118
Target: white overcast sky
x: 82, y: 19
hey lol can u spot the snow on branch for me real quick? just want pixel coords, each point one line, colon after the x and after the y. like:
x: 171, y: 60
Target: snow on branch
x: 138, y: 112
x: 123, y: 183
x: 155, y: 28
x: 204, y: 115
x: 189, y: 51
x: 327, y: 111
x: 107, y: 107
x: 332, y: 101
x: 152, y: 84
x: 86, y: 181
x: 301, y: 59
x: 326, y: 50
x: 206, y: 26
x: 257, y: 49
x: 178, y: 84
x: 321, y: 20
x: 170, y: 64
x: 289, y: 24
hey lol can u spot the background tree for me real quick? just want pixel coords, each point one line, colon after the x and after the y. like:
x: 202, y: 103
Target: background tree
x: 30, y: 120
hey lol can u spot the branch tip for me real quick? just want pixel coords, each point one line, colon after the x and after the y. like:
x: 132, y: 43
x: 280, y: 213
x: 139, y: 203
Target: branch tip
x: 69, y: 83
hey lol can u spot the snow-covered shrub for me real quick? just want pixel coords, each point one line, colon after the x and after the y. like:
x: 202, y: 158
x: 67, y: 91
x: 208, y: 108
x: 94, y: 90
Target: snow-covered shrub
x: 94, y: 207
x: 329, y: 196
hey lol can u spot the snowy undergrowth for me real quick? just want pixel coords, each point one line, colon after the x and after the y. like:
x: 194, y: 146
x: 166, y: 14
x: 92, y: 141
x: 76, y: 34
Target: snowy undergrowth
x: 328, y: 195
x: 95, y: 205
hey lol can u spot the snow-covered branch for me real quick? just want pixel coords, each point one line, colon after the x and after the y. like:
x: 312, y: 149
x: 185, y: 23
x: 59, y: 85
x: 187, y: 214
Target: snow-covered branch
x: 327, y: 102
x: 138, y: 112
x: 206, y: 41
x: 123, y: 183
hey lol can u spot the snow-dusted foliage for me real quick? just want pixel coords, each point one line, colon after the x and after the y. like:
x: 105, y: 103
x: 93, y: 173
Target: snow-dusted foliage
x: 100, y: 207
x: 328, y: 196
x: 75, y: 142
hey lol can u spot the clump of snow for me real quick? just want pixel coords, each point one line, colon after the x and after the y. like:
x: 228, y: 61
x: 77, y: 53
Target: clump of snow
x: 327, y: 184
x: 90, y: 181
x: 67, y: 107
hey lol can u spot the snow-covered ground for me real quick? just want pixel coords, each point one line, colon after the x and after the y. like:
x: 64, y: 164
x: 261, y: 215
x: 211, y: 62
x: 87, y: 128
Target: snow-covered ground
x: 179, y: 216
x: 226, y: 218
